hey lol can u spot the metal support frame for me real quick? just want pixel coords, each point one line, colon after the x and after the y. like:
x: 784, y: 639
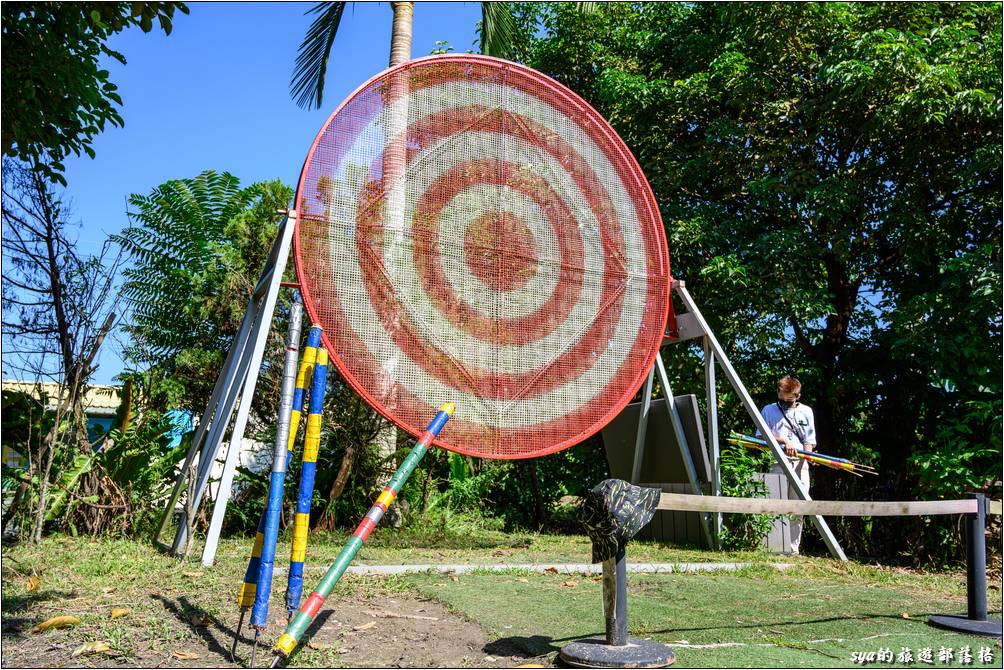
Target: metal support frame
x: 639, y: 443
x: 237, y: 382
x: 737, y: 385
x: 681, y: 439
x: 711, y: 394
x: 691, y: 325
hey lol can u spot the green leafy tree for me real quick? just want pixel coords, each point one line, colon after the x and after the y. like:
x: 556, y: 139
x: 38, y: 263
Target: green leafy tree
x: 56, y: 96
x: 830, y: 178
x: 198, y: 247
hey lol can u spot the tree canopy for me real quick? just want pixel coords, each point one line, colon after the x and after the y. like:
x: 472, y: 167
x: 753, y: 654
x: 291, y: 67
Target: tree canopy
x: 56, y: 96
x: 198, y: 246
x: 830, y: 179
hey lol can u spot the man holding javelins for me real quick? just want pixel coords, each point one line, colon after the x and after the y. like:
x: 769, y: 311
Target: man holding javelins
x: 793, y: 427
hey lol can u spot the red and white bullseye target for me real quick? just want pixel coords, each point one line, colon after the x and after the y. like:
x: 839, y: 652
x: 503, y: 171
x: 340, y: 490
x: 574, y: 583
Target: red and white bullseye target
x: 471, y: 231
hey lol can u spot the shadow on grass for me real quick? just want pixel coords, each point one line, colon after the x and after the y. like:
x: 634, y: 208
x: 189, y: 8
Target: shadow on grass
x: 765, y: 624
x: 184, y: 611
x: 532, y: 646
x: 20, y: 604
x: 539, y: 645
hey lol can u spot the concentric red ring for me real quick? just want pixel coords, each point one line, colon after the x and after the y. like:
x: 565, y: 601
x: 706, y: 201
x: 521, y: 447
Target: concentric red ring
x: 427, y: 261
x: 398, y: 330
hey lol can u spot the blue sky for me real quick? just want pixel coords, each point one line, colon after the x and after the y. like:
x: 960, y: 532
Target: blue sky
x: 215, y: 95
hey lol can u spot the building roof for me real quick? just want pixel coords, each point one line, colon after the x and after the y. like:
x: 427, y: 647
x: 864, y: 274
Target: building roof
x: 100, y: 399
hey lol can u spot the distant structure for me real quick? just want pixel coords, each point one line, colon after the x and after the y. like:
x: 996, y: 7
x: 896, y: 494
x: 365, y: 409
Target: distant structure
x: 100, y: 404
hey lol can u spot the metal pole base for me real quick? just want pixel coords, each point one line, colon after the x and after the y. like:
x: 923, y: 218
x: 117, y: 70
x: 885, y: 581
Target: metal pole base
x: 594, y: 652
x: 961, y: 624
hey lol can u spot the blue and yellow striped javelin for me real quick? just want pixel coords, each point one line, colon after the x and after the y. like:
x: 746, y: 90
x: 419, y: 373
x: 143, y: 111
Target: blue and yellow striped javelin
x: 246, y: 595
x: 308, y: 471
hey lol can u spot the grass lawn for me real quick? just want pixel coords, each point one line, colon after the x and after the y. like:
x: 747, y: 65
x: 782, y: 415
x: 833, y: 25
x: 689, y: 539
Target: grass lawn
x: 816, y: 614
x: 755, y: 618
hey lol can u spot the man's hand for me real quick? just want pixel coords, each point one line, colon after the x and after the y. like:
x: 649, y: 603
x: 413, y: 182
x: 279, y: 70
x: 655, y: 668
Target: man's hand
x: 789, y: 448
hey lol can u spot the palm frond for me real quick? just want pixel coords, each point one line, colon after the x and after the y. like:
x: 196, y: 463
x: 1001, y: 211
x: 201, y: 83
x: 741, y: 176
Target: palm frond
x: 307, y: 84
x: 498, y: 29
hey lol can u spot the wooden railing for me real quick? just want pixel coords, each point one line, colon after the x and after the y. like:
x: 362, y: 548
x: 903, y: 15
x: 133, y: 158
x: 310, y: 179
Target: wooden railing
x: 694, y: 503
x: 974, y: 510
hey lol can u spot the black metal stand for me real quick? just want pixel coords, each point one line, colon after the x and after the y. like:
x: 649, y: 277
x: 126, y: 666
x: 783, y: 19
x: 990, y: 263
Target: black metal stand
x: 617, y: 649
x: 976, y: 621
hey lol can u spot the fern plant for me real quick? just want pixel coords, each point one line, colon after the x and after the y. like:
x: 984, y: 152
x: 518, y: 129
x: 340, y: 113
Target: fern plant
x: 175, y: 242
x: 198, y: 246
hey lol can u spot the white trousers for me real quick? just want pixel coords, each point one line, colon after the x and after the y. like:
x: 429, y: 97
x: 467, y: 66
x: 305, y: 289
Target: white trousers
x: 801, y: 468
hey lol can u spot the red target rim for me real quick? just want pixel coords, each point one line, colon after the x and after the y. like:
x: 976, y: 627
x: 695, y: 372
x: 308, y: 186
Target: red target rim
x: 471, y: 231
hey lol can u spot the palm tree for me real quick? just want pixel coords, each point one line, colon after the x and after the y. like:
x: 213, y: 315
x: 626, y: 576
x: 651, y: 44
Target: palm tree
x: 498, y: 33
x: 498, y: 30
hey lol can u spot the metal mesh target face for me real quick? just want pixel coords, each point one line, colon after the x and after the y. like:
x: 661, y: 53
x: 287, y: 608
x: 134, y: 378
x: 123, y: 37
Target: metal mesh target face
x: 471, y: 231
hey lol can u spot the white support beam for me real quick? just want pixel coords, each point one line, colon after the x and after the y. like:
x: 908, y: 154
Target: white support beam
x: 263, y: 323
x: 234, y: 388
x: 711, y: 397
x: 681, y: 441
x: 639, y: 443
x: 754, y: 413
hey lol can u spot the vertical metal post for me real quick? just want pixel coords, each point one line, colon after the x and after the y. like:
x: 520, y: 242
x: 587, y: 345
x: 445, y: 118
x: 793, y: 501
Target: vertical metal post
x: 754, y: 413
x: 609, y: 598
x: 711, y: 394
x: 621, y: 624
x: 639, y: 442
x: 976, y: 621
x: 681, y: 440
x: 976, y: 559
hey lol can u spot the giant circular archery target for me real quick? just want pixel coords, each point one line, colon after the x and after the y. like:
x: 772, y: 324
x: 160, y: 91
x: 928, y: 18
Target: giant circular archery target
x: 471, y: 231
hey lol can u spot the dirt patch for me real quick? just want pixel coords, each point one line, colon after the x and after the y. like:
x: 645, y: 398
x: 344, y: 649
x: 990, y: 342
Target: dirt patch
x: 358, y: 631
x: 402, y: 631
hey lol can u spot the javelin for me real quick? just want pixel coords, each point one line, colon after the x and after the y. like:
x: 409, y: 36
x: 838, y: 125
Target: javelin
x: 811, y: 456
x: 807, y: 456
x: 246, y: 596
x: 308, y: 610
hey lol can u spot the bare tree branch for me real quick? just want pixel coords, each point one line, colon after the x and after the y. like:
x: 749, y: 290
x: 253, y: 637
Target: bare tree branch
x: 58, y: 309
